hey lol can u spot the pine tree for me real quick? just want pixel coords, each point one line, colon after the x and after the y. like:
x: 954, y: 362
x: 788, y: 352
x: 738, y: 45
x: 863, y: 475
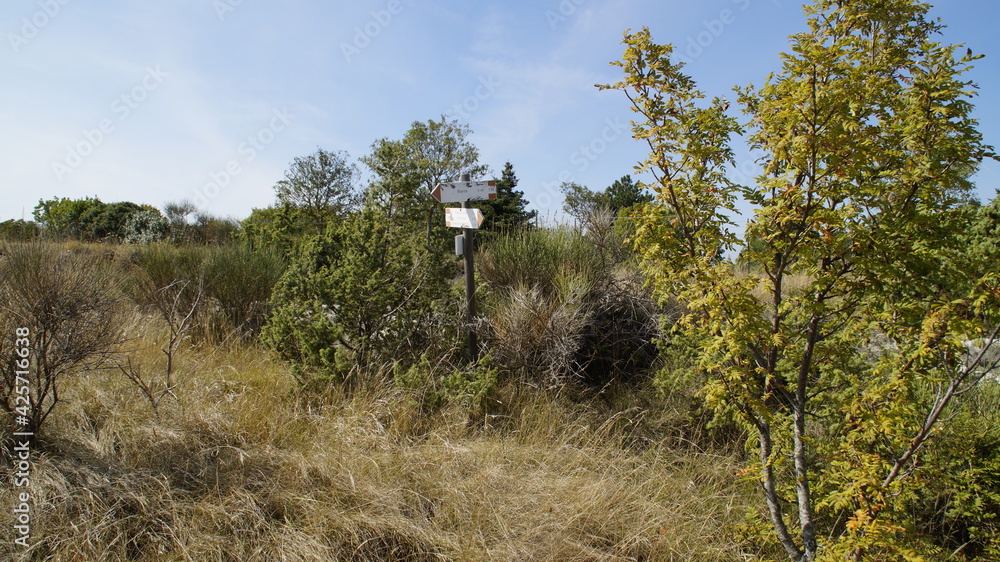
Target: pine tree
x: 508, y: 210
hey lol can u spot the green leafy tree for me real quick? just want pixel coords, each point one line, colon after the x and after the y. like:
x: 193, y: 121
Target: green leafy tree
x: 61, y: 216
x: 624, y: 194
x: 508, y: 211
x: 107, y: 221
x: 19, y: 229
x: 93, y: 220
x: 843, y: 356
x: 407, y: 170
x: 579, y: 201
x: 272, y: 227
x: 319, y: 186
x: 983, y: 235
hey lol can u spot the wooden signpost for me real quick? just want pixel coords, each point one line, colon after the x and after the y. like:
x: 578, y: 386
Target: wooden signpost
x: 468, y: 219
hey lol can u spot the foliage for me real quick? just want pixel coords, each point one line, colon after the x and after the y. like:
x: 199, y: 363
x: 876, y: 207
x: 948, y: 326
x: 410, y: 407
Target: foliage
x: 624, y: 194
x: 472, y: 386
x: 867, y: 144
x: 68, y: 305
x: 107, y: 221
x: 210, y: 230
x: 983, y: 235
x: 356, y: 297
x: 61, y: 216
x: 956, y: 506
x: 621, y: 196
x: 90, y: 219
x: 227, y: 287
x: 555, y: 254
x: 508, y: 211
x: 407, y: 170
x: 240, y: 281
x: 579, y: 201
x: 19, y: 230
x: 178, y: 215
x: 144, y: 227
x: 319, y: 186
x: 272, y: 227
x: 367, y: 290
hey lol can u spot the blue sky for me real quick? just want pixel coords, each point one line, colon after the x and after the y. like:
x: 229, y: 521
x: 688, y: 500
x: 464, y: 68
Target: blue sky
x: 210, y: 100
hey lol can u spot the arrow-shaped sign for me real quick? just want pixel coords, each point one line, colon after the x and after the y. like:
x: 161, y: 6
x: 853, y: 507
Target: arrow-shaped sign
x: 463, y: 218
x: 459, y: 191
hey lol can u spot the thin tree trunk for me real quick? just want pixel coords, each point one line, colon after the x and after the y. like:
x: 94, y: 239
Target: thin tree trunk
x: 771, y: 492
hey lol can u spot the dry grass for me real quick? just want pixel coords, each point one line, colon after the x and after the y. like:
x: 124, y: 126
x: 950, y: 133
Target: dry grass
x: 240, y: 467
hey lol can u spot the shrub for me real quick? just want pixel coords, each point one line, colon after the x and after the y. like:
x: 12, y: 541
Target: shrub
x: 537, y: 258
x: 567, y: 303
x: 144, y: 227
x: 19, y: 230
x: 537, y: 335
x: 69, y: 305
x: 359, y: 296
x: 162, y: 265
x: 241, y: 281
x: 957, y: 507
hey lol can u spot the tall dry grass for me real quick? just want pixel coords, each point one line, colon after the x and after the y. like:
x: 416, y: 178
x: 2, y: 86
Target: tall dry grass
x: 239, y: 466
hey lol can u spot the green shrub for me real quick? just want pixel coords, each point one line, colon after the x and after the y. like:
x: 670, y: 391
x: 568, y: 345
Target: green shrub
x: 240, y: 281
x: 144, y: 227
x: 19, y: 230
x: 359, y: 297
x: 957, y: 507
x: 161, y: 265
x: 538, y: 258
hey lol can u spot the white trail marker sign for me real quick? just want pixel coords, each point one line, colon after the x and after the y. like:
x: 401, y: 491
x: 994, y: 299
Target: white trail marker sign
x: 462, y: 191
x: 463, y: 218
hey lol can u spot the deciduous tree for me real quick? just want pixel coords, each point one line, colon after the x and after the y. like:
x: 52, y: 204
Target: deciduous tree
x: 319, y: 186
x: 843, y: 355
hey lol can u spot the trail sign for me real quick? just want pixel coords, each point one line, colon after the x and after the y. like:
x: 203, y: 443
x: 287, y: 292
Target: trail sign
x: 463, y: 218
x: 459, y: 191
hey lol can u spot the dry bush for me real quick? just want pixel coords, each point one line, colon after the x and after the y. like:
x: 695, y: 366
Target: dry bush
x: 563, y: 303
x: 69, y: 303
x: 537, y: 335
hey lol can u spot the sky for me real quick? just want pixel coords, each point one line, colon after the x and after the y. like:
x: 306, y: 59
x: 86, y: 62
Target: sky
x: 211, y: 100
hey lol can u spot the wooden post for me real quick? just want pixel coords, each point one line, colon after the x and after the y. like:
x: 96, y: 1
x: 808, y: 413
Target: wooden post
x: 470, y: 283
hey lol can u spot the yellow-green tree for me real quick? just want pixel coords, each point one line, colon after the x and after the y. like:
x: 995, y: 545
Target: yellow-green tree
x: 847, y: 350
